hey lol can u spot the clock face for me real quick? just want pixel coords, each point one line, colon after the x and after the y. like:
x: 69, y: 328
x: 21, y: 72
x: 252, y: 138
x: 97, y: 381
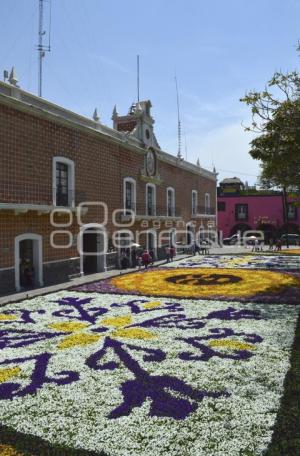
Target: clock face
x: 150, y: 163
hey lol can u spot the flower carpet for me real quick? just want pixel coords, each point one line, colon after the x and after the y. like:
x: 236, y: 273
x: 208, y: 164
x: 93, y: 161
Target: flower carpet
x: 161, y: 373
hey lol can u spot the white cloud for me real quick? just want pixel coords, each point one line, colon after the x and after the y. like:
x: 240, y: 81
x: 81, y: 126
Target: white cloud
x: 227, y: 147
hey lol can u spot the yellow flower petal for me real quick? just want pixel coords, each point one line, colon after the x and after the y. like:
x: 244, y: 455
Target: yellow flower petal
x: 205, y: 282
x: 232, y: 344
x: 152, y: 304
x: 133, y: 333
x: 9, y: 372
x: 7, y: 450
x: 117, y: 321
x: 68, y: 326
x: 8, y: 317
x: 76, y: 340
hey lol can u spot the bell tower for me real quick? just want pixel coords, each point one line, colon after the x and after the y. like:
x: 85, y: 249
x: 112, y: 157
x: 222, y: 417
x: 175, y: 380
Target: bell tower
x: 138, y: 122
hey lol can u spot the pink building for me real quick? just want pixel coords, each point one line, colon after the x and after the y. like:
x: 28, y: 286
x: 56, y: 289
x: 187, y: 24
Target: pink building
x: 242, y: 208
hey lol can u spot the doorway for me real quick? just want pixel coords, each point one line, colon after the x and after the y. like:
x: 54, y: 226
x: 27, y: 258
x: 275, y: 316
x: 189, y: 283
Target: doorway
x: 28, y: 261
x: 93, y: 249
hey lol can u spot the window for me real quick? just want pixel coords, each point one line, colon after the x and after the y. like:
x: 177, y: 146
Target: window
x: 207, y: 203
x: 150, y: 199
x: 129, y: 194
x: 291, y: 211
x: 221, y: 206
x: 241, y: 211
x: 170, y: 202
x: 62, y: 186
x: 194, y: 202
x: 63, y: 176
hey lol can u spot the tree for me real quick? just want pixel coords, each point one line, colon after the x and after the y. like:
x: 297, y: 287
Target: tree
x: 276, y: 120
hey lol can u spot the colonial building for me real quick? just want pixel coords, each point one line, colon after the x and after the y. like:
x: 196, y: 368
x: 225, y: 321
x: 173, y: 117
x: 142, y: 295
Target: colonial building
x: 243, y: 208
x: 70, y: 186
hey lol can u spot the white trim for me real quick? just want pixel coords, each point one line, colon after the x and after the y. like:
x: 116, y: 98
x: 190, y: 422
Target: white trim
x: 194, y: 207
x: 61, y: 261
x: 7, y: 269
x: 71, y: 179
x: 101, y: 259
x: 173, y: 201
x: 44, y: 109
x: 133, y: 182
x: 154, y: 198
x: 37, y: 257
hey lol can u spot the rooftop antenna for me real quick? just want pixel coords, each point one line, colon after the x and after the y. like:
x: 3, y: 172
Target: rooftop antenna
x: 41, y: 47
x: 178, y: 123
x: 138, y: 77
x: 185, y: 145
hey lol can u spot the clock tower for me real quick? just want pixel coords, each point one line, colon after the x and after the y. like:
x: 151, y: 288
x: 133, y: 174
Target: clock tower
x: 138, y: 123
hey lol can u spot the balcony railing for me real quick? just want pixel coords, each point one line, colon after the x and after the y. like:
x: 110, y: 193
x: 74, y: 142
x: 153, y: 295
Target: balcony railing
x: 35, y: 194
x: 143, y: 210
x: 203, y: 210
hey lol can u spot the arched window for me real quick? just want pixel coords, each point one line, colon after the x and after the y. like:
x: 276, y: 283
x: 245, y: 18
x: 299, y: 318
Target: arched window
x: 194, y: 202
x: 150, y: 199
x: 170, y: 202
x: 63, y: 179
x: 129, y: 194
x: 207, y: 203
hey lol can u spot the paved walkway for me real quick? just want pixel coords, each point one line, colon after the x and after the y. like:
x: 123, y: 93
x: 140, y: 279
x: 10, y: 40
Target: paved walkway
x: 74, y: 282
x: 226, y: 250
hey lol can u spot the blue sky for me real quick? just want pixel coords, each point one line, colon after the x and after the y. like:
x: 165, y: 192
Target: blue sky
x: 219, y: 50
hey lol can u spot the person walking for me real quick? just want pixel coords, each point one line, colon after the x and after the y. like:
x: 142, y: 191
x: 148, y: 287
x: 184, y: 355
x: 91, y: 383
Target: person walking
x: 167, y: 250
x: 172, y: 252
x: 152, y: 257
x: 146, y: 258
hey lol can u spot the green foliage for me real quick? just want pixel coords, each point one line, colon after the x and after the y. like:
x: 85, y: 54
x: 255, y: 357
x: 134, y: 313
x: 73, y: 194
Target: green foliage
x: 276, y: 120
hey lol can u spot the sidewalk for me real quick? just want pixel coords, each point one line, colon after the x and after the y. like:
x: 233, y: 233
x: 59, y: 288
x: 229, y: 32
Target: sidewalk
x: 74, y: 282
x: 225, y: 250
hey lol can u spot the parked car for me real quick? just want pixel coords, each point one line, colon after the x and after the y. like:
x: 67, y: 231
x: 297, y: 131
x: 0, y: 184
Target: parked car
x: 248, y: 238
x: 293, y: 239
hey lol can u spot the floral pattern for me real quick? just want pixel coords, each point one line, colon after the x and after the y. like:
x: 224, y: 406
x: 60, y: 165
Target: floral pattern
x: 128, y: 374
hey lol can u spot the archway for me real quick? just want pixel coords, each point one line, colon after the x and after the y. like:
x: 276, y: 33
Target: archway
x: 28, y: 261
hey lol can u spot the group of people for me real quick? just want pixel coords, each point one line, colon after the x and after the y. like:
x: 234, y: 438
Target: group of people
x: 137, y: 258
x: 275, y: 245
x: 143, y: 257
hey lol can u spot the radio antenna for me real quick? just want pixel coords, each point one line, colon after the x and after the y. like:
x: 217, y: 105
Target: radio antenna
x: 41, y: 47
x: 179, y: 156
x: 138, y: 77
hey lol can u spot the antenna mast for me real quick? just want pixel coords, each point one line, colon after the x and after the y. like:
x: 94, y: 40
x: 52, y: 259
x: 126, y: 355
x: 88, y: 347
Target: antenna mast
x: 138, y: 78
x: 41, y: 48
x: 178, y: 122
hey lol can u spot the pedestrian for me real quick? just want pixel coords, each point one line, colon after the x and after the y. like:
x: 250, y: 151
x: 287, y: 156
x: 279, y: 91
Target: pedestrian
x: 271, y: 243
x: 278, y: 244
x: 172, y: 252
x: 133, y: 258
x: 152, y: 257
x: 139, y: 261
x: 167, y: 250
x: 146, y: 258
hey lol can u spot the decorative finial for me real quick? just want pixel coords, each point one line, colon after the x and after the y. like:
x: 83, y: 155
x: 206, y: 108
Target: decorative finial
x: 114, y: 113
x: 198, y: 163
x: 13, y: 77
x: 214, y: 170
x: 95, y: 116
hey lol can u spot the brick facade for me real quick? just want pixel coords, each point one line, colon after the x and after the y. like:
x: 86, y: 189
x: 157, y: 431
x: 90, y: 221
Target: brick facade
x: 31, y: 136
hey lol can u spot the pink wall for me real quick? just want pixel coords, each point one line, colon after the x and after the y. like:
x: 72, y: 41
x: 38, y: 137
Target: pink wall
x: 261, y: 209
